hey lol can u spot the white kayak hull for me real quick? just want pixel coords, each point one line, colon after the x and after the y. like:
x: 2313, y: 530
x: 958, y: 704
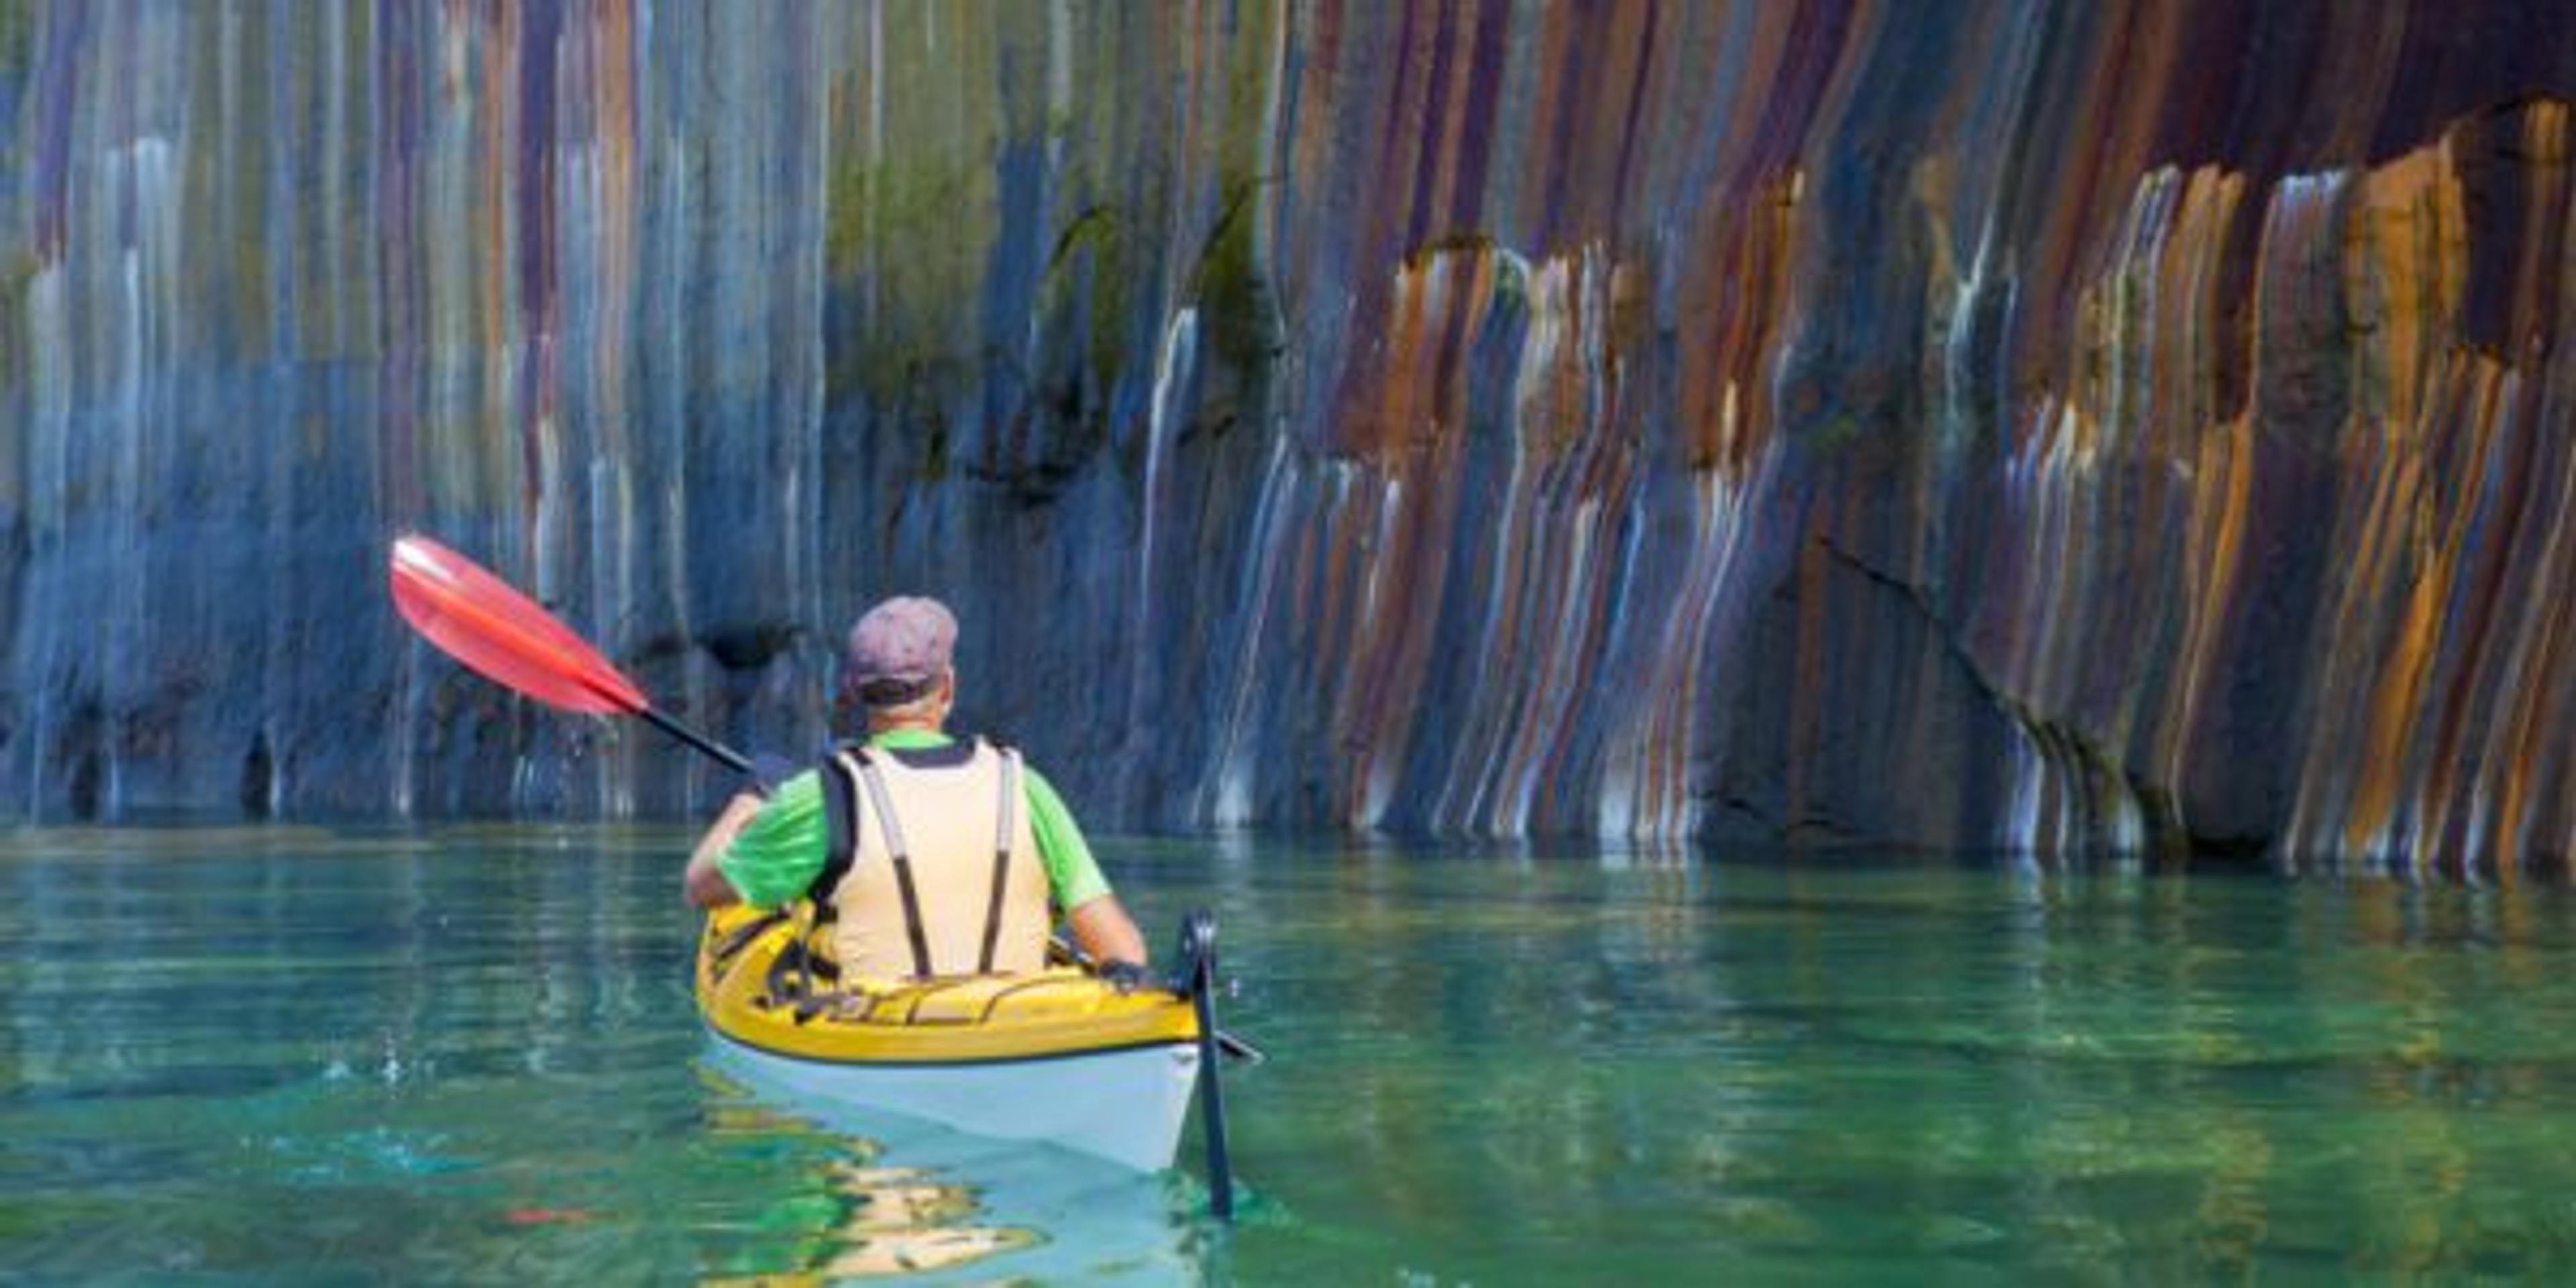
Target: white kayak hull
x: 1126, y: 1105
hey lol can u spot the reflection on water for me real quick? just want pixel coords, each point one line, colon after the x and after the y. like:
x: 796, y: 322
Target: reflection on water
x: 953, y: 1202
x: 904, y: 1220
x: 283, y: 1055
x: 860, y: 1220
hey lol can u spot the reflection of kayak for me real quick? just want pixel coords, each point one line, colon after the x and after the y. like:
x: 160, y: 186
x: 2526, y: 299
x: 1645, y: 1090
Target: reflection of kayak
x: 1057, y: 1055
x: 891, y: 1193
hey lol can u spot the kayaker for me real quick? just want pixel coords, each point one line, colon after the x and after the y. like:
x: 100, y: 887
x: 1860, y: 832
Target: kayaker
x: 939, y: 856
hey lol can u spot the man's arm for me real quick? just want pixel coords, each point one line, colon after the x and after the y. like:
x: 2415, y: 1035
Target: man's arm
x: 762, y: 852
x: 1102, y: 929
x: 705, y: 884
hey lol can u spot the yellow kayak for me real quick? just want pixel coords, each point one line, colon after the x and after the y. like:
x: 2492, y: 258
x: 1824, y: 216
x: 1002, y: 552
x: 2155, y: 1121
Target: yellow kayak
x: 1058, y: 1055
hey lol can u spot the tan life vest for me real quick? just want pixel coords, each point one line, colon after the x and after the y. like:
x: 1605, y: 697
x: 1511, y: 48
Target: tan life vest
x: 944, y: 877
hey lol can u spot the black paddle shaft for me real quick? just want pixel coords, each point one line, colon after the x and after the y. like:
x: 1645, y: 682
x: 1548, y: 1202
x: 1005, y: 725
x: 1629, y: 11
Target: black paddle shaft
x: 1198, y: 948
x: 732, y: 759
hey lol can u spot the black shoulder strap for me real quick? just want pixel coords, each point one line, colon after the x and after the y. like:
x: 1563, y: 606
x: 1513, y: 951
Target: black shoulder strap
x: 1005, y: 829
x: 841, y: 831
x: 884, y: 803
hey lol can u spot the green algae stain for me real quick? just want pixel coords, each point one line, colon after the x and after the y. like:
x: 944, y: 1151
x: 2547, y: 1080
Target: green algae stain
x: 1237, y: 308
x: 907, y: 232
x: 1087, y: 274
x: 17, y: 278
x: 17, y: 37
x: 915, y: 218
x: 913, y: 209
x: 1834, y: 431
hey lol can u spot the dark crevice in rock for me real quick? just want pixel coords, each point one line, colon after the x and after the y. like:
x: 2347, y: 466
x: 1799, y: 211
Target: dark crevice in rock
x: 2064, y: 744
x: 77, y: 747
x: 749, y: 648
x: 1095, y: 223
x: 1821, y: 829
x: 1921, y: 600
x: 2247, y: 849
x: 258, y: 773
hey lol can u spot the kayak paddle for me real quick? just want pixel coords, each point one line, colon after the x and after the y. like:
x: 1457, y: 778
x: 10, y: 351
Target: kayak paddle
x: 505, y: 637
x: 1198, y: 958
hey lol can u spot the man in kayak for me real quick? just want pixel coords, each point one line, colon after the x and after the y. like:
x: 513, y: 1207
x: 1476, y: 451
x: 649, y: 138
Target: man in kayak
x: 936, y: 856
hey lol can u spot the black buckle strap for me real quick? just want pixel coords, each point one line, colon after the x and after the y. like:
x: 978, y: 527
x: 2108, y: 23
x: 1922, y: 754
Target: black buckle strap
x: 790, y: 981
x: 801, y: 982
x: 1003, y: 841
x: 884, y: 804
x: 731, y: 945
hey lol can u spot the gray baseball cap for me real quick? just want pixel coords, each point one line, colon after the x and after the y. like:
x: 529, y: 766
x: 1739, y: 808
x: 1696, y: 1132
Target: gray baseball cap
x: 907, y: 640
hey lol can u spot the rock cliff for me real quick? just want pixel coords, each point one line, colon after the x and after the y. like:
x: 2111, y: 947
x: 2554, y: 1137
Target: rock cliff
x: 1985, y: 423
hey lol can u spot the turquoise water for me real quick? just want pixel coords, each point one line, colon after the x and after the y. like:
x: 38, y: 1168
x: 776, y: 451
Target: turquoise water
x: 287, y: 1056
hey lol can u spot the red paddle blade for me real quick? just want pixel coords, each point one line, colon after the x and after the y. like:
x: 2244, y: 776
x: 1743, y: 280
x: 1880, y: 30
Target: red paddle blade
x: 481, y: 621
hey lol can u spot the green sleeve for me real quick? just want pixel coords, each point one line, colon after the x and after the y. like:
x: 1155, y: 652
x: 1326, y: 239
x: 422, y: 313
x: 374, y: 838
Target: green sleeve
x: 780, y: 851
x: 1070, y: 869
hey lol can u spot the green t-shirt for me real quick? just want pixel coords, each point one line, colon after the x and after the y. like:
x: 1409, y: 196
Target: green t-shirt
x: 778, y: 854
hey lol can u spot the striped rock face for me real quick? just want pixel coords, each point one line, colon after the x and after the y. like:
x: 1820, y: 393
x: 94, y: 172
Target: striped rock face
x: 1987, y: 423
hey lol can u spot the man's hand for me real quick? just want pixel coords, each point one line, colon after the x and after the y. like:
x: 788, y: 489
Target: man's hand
x: 705, y: 887
x: 1128, y: 976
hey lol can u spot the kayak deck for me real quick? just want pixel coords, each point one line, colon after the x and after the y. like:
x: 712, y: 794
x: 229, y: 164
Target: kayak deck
x: 789, y: 1009
x: 1058, y: 1055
